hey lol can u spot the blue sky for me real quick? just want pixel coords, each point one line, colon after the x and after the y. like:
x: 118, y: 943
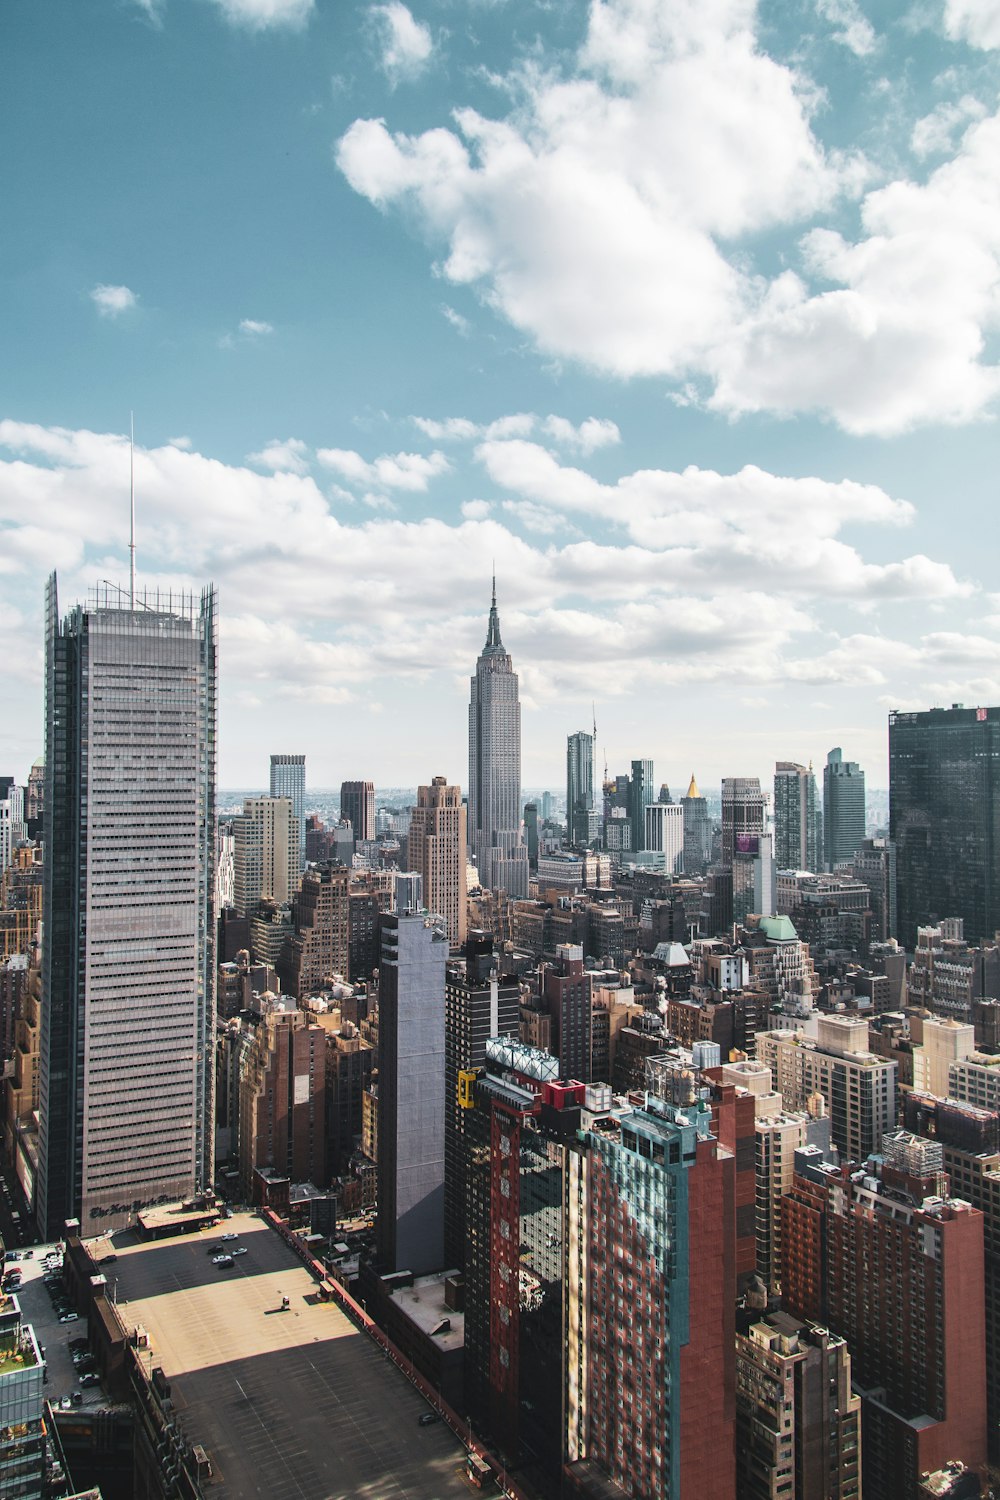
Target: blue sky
x: 683, y: 315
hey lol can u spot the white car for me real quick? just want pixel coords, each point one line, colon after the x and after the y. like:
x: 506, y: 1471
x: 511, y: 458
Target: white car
x: 239, y: 1250
x: 222, y: 1260
x: 231, y: 1236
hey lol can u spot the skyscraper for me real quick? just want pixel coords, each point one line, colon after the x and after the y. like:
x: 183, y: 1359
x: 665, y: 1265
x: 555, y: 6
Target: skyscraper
x: 580, y: 810
x: 436, y: 849
x: 798, y: 821
x: 480, y: 1002
x: 743, y: 817
x: 944, y: 806
x: 129, y: 968
x: 843, y: 808
x: 357, y: 805
x: 665, y: 835
x: 640, y: 795
x: 495, y: 768
x: 697, y: 831
x: 411, y: 1104
x: 288, y: 779
x: 266, y: 860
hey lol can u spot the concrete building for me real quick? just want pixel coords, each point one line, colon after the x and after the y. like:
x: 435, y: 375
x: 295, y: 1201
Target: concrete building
x: 267, y: 864
x: 129, y: 881
x: 859, y: 1087
x: 357, y: 807
x: 480, y: 1002
x: 947, y: 975
x: 288, y: 779
x: 883, y: 1257
x: 843, y: 809
x: 22, y: 1408
x: 496, y: 845
x: 744, y: 815
x: 411, y: 1094
x: 936, y: 1045
x: 798, y: 1424
x: 651, y: 1294
x: 665, y: 835
x: 697, y: 830
x: 943, y: 808
x: 976, y: 1080
x: 283, y: 1125
x: 566, y: 996
x: 798, y: 818
x: 438, y: 851
x: 13, y: 829
x: 320, y: 945
x: 874, y: 864
x: 581, y: 809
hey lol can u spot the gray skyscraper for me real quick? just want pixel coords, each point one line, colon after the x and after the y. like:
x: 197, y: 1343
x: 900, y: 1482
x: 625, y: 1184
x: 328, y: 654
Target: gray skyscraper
x: 288, y: 779
x: 128, y: 956
x: 640, y: 795
x: 357, y: 805
x: 495, y: 768
x: 743, y: 817
x: 697, y: 831
x: 843, y: 808
x: 798, y: 822
x: 411, y: 1102
x: 944, y: 816
x: 580, y: 814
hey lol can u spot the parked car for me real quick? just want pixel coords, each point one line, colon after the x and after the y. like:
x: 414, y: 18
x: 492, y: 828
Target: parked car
x: 238, y: 1250
x: 222, y: 1260
x: 90, y: 1379
x: 428, y: 1417
x: 232, y: 1235
x: 69, y: 1317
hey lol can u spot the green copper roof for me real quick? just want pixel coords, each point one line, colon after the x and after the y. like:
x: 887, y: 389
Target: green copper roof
x: 778, y: 929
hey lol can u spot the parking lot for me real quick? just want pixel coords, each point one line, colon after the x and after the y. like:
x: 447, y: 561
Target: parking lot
x: 296, y: 1404
x: 54, y: 1337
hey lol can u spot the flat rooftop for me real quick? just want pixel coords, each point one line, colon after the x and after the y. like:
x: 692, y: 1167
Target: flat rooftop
x: 294, y: 1405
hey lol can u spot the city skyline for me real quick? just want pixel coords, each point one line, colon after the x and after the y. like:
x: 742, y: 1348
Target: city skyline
x: 718, y: 416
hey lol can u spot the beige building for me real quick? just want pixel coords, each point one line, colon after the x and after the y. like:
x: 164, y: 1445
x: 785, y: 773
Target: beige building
x: 937, y: 1044
x: 266, y: 854
x: 859, y: 1087
x: 437, y: 849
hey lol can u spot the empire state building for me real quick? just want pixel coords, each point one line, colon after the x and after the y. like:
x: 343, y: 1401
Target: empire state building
x: 495, y: 768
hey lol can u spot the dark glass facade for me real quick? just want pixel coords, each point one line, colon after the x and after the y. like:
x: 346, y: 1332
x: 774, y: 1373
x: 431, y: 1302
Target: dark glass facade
x: 944, y: 817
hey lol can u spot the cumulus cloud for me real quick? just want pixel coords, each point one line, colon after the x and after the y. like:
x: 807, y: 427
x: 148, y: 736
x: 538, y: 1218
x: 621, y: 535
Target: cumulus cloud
x: 290, y: 455
x: 853, y: 28
x: 394, y: 471
x: 719, y: 578
x: 260, y: 15
x: 612, y: 216
x: 405, y: 43
x: 974, y: 21
x: 935, y: 132
x: 112, y: 301
x: 255, y: 327
x: 595, y: 432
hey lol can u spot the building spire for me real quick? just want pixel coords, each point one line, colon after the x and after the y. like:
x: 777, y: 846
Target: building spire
x: 493, y: 641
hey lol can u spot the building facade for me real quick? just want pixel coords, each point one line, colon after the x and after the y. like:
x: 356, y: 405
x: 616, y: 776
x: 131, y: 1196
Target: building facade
x: 497, y: 847
x: 581, y: 813
x: 944, y: 807
x: 288, y: 779
x: 411, y: 1093
x: 357, y: 807
x: 437, y: 851
x: 798, y: 818
x: 129, y: 882
x: 843, y: 809
x: 267, y: 863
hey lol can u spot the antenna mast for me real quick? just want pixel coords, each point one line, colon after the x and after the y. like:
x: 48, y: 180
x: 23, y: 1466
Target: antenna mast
x: 131, y: 486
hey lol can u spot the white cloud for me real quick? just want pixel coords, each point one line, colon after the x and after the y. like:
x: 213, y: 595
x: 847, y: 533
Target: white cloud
x: 180, y: 442
x: 259, y: 15
x: 611, y: 216
x: 854, y: 29
x: 290, y: 455
x: 595, y: 432
x: 394, y: 471
x: 460, y: 324
x: 255, y: 327
x: 974, y: 21
x: 112, y: 301
x: 719, y: 579
x: 934, y: 133
x: 405, y: 43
